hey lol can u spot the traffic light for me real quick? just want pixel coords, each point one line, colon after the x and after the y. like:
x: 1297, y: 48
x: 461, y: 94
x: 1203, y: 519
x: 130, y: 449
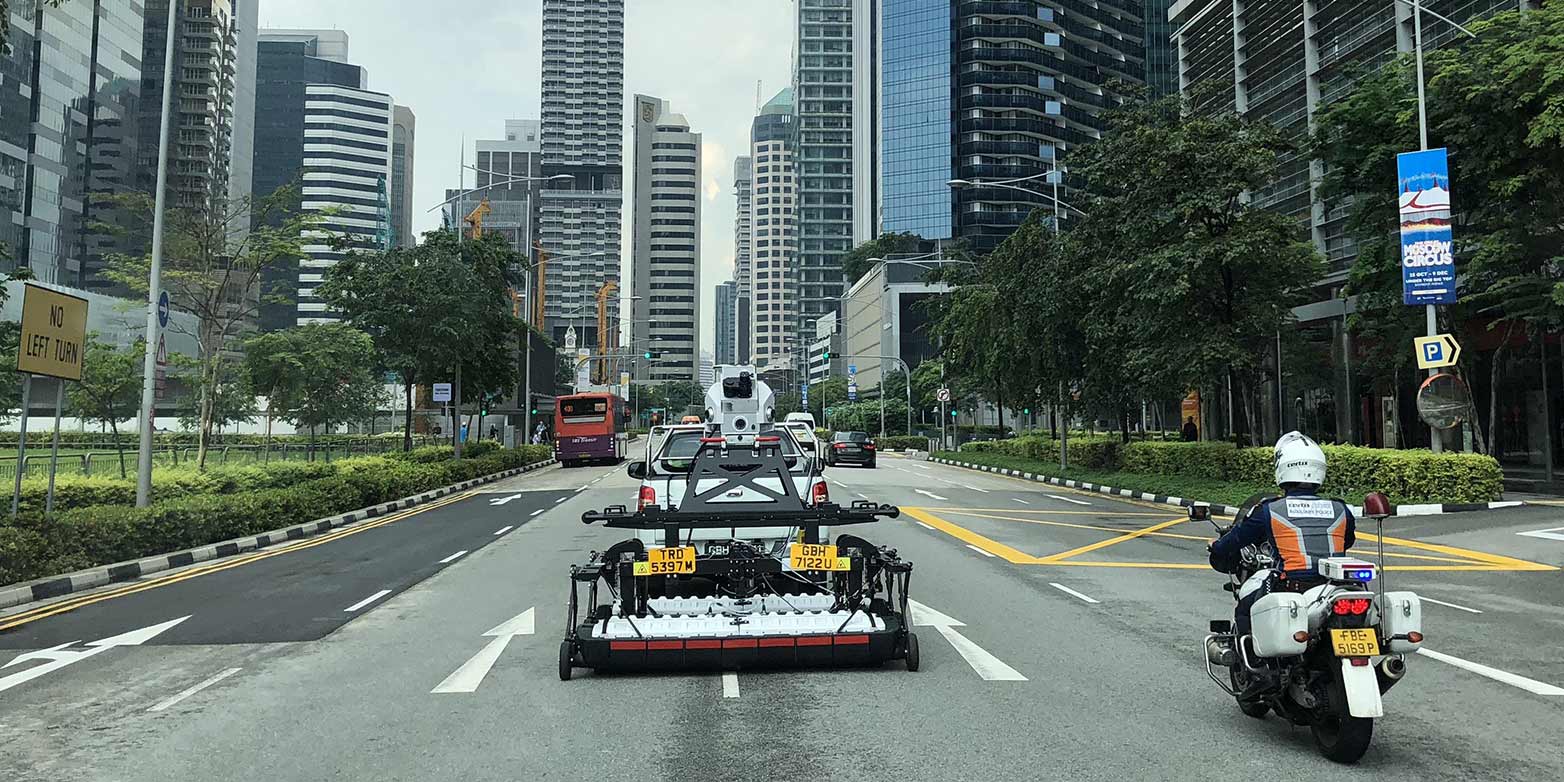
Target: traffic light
x: 1026, y: 410
x: 953, y: 414
x: 828, y: 355
x: 650, y: 355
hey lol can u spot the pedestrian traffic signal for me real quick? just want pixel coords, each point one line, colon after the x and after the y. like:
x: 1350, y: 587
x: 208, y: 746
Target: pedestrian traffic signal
x: 953, y: 414
x: 1026, y: 410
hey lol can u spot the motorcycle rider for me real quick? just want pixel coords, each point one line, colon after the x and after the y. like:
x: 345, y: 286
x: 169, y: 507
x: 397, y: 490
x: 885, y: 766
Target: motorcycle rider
x: 1300, y: 527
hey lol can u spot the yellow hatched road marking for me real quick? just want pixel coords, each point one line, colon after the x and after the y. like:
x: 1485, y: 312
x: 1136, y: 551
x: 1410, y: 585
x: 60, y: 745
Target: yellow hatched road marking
x: 968, y: 536
x: 1102, y: 544
x: 1051, y: 512
x: 43, y: 612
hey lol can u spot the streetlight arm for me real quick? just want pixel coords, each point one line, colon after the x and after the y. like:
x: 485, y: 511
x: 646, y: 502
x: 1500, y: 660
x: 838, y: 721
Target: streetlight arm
x: 1417, y: 6
x: 1031, y: 192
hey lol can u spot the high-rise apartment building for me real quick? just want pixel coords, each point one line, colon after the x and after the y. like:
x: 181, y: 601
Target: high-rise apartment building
x: 582, y: 135
x: 727, y: 296
x: 984, y: 91
x: 1161, y: 54
x: 834, y: 85
x: 206, y: 53
x: 317, y: 126
x: 404, y: 130
x: 743, y: 264
x: 665, y: 246
x: 773, y: 320
x: 68, y: 128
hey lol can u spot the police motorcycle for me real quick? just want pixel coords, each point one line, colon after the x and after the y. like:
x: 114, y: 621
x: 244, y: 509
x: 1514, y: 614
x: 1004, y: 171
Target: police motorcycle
x: 1322, y: 658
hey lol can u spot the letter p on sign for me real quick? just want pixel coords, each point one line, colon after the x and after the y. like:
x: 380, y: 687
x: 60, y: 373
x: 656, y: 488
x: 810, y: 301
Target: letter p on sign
x: 1439, y: 350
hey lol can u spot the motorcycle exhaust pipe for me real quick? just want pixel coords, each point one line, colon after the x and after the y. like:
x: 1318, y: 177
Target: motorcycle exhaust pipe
x: 1389, y: 672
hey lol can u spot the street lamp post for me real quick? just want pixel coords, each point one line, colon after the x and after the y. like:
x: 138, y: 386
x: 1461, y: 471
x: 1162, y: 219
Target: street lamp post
x: 1054, y: 176
x: 1431, y: 314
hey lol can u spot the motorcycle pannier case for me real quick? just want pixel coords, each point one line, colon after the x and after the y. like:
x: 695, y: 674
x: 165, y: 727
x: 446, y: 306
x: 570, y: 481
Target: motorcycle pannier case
x: 1401, y: 613
x: 1276, y: 618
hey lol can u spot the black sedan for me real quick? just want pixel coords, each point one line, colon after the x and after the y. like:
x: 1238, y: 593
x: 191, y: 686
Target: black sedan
x: 850, y: 448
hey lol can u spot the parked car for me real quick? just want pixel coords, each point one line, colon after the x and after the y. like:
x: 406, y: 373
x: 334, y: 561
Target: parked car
x: 850, y: 448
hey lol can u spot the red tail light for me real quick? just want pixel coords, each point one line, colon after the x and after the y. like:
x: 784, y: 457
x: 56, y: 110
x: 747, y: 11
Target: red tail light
x: 868, y: 446
x: 1357, y: 606
x: 819, y: 495
x: 840, y: 446
x: 648, y: 497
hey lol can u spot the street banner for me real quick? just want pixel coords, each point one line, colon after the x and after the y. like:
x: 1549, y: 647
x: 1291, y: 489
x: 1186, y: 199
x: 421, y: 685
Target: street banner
x: 1427, y: 245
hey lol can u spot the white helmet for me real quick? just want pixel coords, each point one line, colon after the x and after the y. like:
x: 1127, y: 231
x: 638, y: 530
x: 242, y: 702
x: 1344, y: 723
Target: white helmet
x: 1299, y: 460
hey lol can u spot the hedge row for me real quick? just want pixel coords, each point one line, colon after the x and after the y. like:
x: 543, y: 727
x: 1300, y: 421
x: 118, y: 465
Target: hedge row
x: 1406, y: 476
x: 902, y: 443
x: 131, y: 439
x: 36, y: 546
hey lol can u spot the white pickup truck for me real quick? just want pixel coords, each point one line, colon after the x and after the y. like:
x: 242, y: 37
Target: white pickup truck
x: 665, y: 476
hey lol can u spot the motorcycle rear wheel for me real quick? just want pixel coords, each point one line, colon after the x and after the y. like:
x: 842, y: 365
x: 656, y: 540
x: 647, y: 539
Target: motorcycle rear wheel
x: 1255, y: 709
x: 1338, y: 735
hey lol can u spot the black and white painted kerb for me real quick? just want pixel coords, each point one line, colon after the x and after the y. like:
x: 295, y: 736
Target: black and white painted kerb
x: 82, y: 580
x: 1216, y: 508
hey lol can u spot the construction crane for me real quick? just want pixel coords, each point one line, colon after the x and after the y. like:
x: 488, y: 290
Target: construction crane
x: 604, y: 294
x: 475, y: 218
x: 537, y: 307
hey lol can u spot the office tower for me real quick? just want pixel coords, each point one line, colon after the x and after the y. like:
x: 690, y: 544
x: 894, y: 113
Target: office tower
x: 1161, y: 56
x: 743, y: 265
x: 773, y: 235
x: 512, y: 209
x: 68, y: 129
x: 317, y: 126
x: 205, y: 65
x: 992, y: 92
x: 582, y: 106
x: 835, y: 93
x: 665, y: 248
x: 404, y: 126
x: 727, y: 297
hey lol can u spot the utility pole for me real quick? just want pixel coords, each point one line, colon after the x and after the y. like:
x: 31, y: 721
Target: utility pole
x: 154, y: 276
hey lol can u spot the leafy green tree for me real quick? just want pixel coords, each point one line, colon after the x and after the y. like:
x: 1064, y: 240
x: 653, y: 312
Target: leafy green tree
x: 317, y: 376
x: 213, y: 263
x: 110, y: 387
x: 231, y: 401
x: 11, y: 388
x: 432, y: 307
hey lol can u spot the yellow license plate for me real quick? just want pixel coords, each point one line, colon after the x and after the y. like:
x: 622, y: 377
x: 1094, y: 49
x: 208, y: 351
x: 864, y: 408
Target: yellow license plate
x: 816, y: 556
x: 667, y: 561
x: 1355, y: 643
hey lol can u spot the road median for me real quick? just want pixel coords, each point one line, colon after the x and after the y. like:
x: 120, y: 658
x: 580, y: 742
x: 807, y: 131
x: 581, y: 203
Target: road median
x: 47, y: 556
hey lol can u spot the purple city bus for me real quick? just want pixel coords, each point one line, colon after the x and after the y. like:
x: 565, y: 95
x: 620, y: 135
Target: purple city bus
x: 586, y: 429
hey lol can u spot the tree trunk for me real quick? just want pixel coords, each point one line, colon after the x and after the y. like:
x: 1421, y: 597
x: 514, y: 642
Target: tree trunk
x: 1124, y: 425
x: 114, y: 427
x: 1395, y: 401
x: 204, y: 431
x: 407, y: 421
x: 1493, y: 447
x: 999, y: 404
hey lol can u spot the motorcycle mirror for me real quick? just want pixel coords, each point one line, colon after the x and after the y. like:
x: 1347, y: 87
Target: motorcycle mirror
x: 1199, y: 512
x: 1376, y: 505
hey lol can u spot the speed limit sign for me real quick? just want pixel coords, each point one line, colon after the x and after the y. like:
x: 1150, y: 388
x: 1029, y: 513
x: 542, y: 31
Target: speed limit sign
x: 943, y: 395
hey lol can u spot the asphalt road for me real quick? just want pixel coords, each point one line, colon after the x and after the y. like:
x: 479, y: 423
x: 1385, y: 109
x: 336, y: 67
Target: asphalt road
x: 1074, y: 653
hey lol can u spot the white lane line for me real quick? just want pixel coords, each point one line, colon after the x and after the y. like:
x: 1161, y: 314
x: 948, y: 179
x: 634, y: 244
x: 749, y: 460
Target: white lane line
x: 839, y: 483
x: 1529, y: 685
x: 1018, y: 499
x: 976, y: 489
x: 170, y: 701
x: 988, y: 667
x: 366, y: 601
x: 1428, y: 599
x: 453, y: 557
x: 536, y: 512
x: 925, y: 526
x: 930, y: 494
x: 1068, y: 499
x: 730, y: 685
x: 503, y: 530
x: 1071, y: 592
x: 861, y: 496
x: 980, y: 551
x: 922, y: 466
x: 561, y: 499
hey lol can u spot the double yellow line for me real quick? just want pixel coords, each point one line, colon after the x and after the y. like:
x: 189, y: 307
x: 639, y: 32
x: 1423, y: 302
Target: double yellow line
x: 42, y: 612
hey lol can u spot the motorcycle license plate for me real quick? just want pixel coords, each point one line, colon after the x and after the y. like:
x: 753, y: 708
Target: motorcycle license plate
x: 667, y: 561
x: 816, y: 556
x: 1355, y: 643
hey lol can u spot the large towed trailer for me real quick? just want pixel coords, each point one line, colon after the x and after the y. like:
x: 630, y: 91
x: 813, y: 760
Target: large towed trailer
x: 776, y: 594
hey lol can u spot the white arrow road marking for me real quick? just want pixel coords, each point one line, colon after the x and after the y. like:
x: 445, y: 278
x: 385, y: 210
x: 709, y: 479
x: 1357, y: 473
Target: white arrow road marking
x: 58, y: 656
x: 163, y: 704
x: 1071, y: 592
x: 1557, y: 533
x: 1067, y: 499
x: 930, y: 494
x: 1529, y: 685
x: 366, y: 601
x: 467, y: 677
x: 730, y: 685
x: 980, y: 551
x: 1427, y: 599
x: 503, y: 500
x: 453, y: 557
x: 987, y: 666
x: 503, y: 530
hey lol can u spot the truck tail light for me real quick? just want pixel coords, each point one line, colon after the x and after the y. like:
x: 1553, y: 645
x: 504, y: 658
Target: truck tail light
x: 819, y: 495
x: 648, y: 497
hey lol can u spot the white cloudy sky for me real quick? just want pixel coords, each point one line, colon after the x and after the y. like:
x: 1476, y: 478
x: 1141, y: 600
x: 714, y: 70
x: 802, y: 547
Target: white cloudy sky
x: 465, y: 68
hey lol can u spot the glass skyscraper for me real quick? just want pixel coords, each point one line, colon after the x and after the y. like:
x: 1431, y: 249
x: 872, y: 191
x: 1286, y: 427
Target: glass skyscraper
x: 915, y: 115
